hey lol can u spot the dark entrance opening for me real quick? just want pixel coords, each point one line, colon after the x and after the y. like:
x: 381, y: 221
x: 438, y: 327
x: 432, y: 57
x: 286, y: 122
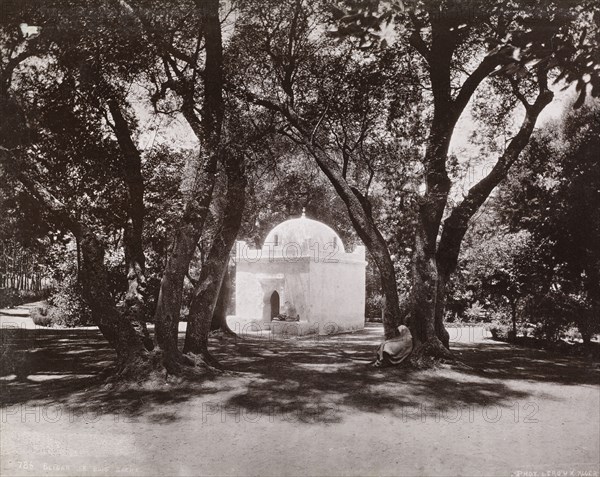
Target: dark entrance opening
x: 274, y: 304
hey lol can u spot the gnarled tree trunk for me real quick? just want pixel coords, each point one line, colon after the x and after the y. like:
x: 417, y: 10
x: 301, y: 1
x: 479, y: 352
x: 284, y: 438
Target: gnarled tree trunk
x: 433, y: 262
x: 189, y: 230
x: 168, y: 306
x: 428, y: 333
x: 219, y: 319
x: 213, y: 270
x: 360, y: 215
x: 124, y: 336
x: 135, y: 260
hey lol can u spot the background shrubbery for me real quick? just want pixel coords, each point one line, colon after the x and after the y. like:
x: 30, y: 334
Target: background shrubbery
x: 531, y: 259
x: 11, y: 297
x: 65, y: 307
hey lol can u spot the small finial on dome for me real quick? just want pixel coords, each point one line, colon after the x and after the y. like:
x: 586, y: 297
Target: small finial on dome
x: 303, y: 212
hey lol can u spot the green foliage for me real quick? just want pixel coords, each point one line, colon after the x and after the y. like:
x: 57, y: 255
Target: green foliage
x: 66, y: 307
x: 41, y: 316
x: 557, y: 201
x: 374, y: 305
x: 542, y: 34
x: 162, y: 169
x: 535, y: 254
x: 475, y: 313
x: 10, y: 297
x: 499, y: 330
x: 30, y: 296
x: 496, y: 270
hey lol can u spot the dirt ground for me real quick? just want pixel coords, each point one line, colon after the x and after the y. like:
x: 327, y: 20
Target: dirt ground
x: 298, y: 407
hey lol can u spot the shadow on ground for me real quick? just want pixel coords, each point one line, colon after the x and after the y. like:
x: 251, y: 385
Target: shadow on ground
x: 314, y: 379
x: 500, y: 360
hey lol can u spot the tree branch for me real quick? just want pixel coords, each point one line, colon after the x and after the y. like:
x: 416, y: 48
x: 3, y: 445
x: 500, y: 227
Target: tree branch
x: 487, y: 65
x: 455, y: 225
x: 520, y: 96
x: 416, y: 40
x: 45, y: 198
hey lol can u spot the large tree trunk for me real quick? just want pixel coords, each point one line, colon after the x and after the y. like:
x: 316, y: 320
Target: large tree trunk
x: 124, y: 336
x: 168, y: 306
x: 122, y: 333
x: 434, y: 263
x: 190, y: 228
x: 135, y: 260
x: 359, y: 211
x: 219, y: 319
x: 427, y: 297
x: 513, y: 316
x: 428, y: 333
x: 427, y: 284
x: 206, y: 292
x: 588, y: 323
x: 440, y: 309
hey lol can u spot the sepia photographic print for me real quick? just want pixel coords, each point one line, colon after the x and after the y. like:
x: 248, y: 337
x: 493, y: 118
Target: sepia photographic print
x: 291, y: 238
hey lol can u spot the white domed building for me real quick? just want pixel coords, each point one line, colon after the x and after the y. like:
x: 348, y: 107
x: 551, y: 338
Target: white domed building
x: 302, y: 281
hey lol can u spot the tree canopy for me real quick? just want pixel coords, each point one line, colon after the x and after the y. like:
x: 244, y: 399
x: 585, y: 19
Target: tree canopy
x: 347, y: 108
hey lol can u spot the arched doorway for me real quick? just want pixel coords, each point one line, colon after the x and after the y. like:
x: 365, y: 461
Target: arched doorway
x: 274, y: 304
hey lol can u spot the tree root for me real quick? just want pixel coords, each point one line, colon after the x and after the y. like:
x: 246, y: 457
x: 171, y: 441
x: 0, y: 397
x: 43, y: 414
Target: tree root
x: 430, y: 354
x: 155, y: 369
x: 204, y: 358
x: 433, y: 348
x: 223, y: 333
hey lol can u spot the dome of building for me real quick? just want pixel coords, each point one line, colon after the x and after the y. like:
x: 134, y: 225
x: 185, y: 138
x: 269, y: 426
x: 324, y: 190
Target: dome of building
x: 306, y: 233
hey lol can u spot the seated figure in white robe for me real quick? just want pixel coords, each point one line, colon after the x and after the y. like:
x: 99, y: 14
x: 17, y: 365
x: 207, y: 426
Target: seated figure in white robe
x: 395, y: 350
